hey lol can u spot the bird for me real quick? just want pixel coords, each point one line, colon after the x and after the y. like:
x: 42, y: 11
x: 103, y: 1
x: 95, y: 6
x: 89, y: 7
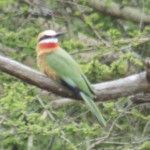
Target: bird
x: 59, y: 65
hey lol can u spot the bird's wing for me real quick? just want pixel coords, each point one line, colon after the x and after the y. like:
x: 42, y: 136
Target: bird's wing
x: 68, y: 70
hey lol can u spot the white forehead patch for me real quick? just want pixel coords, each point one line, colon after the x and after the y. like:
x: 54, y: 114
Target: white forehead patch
x: 50, y: 33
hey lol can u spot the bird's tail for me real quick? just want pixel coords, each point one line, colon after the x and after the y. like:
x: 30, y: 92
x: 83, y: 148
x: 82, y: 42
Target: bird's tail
x: 93, y: 108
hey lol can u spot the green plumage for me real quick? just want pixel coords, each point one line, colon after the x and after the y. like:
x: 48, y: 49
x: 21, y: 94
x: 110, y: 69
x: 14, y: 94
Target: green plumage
x: 68, y: 71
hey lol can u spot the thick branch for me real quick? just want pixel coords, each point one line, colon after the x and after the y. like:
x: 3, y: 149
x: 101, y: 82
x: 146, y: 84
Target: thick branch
x: 115, y: 10
x: 31, y: 76
x: 104, y: 91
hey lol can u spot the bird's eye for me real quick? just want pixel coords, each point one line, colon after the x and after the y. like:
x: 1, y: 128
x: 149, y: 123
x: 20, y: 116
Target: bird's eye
x: 44, y: 37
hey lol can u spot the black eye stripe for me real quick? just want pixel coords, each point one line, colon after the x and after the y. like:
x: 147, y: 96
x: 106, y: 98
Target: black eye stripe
x: 44, y: 37
x: 48, y: 36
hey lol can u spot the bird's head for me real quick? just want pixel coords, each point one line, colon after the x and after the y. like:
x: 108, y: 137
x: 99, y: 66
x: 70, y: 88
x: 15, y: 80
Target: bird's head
x: 48, y: 39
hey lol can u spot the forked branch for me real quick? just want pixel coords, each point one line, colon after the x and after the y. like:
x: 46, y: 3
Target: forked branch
x: 134, y: 84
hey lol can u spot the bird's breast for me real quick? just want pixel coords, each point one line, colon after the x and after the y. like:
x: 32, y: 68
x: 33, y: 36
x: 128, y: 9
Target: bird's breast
x: 45, y: 68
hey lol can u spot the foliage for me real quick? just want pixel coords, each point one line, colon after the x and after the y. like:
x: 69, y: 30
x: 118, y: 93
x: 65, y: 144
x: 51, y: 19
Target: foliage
x: 116, y: 48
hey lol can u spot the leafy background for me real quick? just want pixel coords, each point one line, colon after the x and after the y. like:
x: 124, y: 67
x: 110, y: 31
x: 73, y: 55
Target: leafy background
x: 106, y: 48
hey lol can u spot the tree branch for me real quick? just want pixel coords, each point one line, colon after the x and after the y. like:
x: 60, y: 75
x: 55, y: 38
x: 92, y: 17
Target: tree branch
x: 104, y: 91
x: 141, y: 98
x: 31, y: 76
x: 115, y: 10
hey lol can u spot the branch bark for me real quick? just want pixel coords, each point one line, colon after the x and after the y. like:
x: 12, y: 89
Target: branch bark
x: 31, y: 76
x: 116, y: 10
x: 104, y: 91
x: 113, y: 9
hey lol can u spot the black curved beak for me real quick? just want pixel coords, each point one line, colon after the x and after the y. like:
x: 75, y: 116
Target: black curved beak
x: 59, y: 33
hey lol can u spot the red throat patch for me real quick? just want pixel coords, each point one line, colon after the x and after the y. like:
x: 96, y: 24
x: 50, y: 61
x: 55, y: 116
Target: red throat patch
x: 48, y: 45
